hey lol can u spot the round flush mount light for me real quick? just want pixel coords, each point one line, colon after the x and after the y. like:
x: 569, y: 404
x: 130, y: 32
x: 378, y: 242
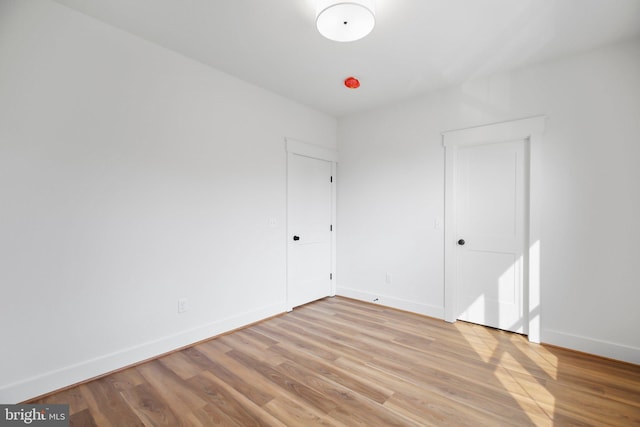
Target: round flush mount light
x: 345, y: 21
x: 352, y: 83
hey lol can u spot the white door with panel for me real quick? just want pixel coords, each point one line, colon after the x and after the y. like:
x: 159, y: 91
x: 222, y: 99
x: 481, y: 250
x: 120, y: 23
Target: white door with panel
x: 309, y: 213
x: 490, y: 200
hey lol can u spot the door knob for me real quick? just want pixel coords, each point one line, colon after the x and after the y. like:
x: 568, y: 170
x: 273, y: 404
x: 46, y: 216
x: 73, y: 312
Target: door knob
x: 296, y: 238
x: 461, y: 242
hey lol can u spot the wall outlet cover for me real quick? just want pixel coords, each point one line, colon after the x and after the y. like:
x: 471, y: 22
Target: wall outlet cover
x: 183, y: 305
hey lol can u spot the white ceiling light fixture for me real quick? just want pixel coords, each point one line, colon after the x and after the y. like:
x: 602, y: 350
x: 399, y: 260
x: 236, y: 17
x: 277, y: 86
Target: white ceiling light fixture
x: 345, y: 21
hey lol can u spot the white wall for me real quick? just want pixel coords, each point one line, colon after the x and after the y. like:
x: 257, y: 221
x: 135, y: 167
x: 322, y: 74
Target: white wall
x: 391, y: 190
x: 130, y: 177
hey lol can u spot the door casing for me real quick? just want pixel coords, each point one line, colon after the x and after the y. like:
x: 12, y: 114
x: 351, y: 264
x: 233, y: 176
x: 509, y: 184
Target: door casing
x: 530, y: 130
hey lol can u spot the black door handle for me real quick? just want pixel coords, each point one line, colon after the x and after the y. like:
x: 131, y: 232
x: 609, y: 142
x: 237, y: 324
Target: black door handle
x: 296, y: 238
x: 461, y: 242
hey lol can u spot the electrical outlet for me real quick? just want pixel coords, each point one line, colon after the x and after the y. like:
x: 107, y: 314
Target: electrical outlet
x: 388, y: 279
x: 183, y: 305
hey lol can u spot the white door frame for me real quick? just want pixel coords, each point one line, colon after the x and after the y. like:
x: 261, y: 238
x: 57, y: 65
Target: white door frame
x: 295, y: 147
x: 530, y: 130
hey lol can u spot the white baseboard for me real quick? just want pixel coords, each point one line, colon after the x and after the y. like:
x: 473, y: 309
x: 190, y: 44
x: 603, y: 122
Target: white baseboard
x: 561, y: 339
x: 411, y: 306
x: 73, y: 374
x: 593, y: 346
x: 69, y: 375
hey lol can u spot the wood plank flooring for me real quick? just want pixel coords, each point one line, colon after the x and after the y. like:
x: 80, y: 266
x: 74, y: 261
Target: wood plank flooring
x: 339, y: 362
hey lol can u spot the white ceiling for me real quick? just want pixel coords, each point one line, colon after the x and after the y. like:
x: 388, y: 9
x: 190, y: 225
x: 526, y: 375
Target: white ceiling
x: 416, y: 46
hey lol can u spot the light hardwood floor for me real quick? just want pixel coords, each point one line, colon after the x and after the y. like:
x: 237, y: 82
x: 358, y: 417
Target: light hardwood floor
x: 347, y: 363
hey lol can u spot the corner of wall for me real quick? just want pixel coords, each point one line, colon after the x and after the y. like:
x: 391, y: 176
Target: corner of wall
x: 400, y: 304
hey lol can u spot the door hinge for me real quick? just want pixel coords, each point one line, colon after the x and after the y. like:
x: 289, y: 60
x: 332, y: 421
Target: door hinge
x: 331, y: 227
x: 330, y: 179
x: 330, y: 276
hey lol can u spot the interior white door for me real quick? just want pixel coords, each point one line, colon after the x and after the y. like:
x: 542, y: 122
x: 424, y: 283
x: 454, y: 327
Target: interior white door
x: 490, y: 199
x: 308, y: 229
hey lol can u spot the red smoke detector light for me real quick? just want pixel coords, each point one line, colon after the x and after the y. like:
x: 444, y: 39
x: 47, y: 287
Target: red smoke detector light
x: 352, y: 83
